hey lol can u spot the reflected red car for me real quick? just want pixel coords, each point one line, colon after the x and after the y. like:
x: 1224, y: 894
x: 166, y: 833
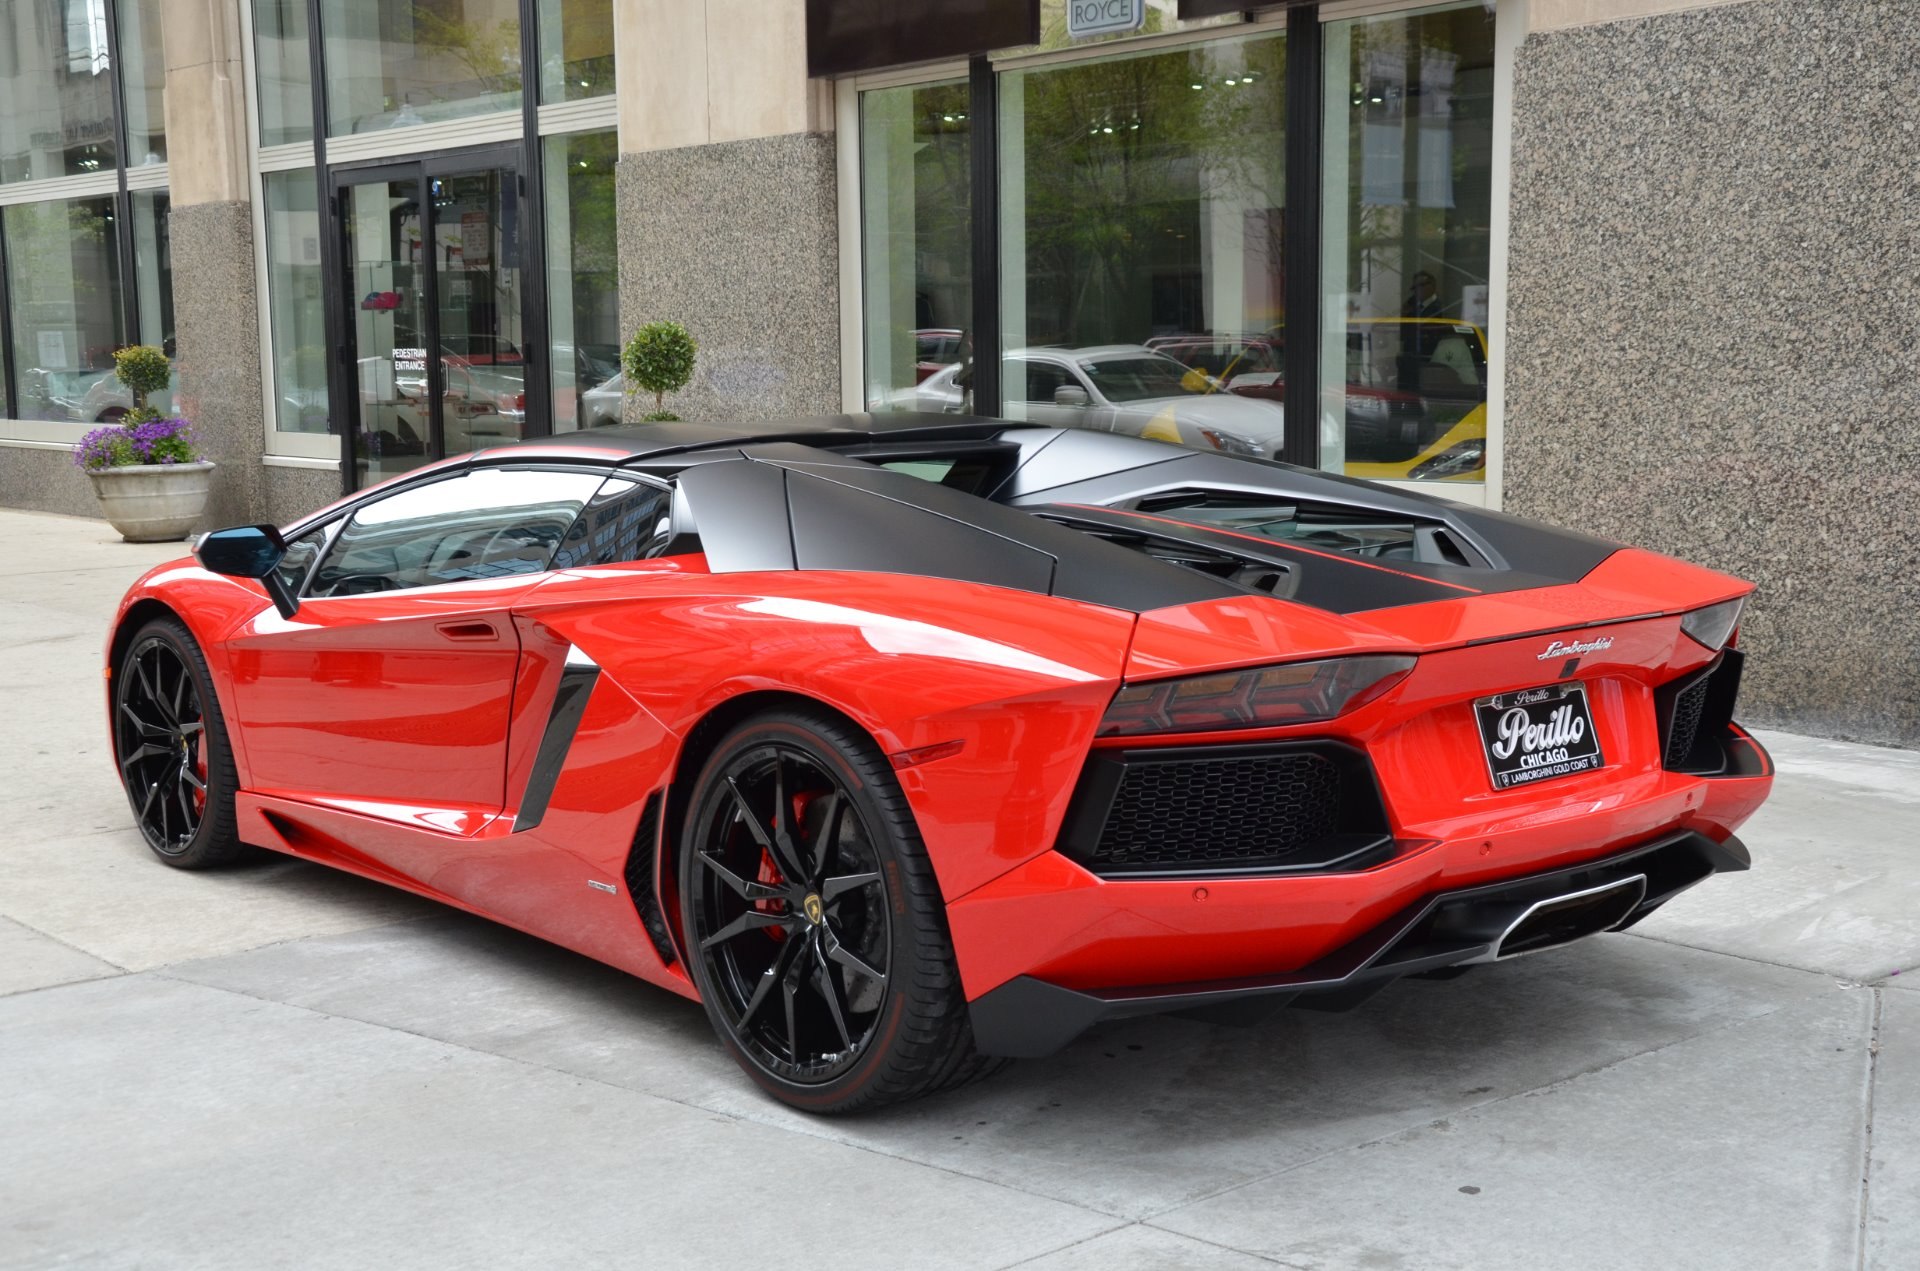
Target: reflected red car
x: 909, y: 744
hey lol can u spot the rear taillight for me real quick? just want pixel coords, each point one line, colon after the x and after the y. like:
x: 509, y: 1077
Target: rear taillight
x: 1260, y: 697
x: 1714, y: 625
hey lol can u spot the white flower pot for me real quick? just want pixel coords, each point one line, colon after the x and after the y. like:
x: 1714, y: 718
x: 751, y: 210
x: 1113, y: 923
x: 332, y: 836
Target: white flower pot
x: 153, y: 502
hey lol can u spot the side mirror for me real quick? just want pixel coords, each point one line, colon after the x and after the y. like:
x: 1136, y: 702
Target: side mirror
x: 1070, y: 395
x: 249, y: 551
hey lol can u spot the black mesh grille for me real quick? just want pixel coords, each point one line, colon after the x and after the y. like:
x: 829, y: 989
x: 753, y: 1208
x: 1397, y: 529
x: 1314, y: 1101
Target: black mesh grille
x: 1685, y: 728
x: 1263, y: 808
x: 646, y: 840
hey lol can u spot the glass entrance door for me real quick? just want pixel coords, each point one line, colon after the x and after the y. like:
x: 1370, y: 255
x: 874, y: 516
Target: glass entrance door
x: 381, y: 224
x: 478, y: 314
x: 435, y: 310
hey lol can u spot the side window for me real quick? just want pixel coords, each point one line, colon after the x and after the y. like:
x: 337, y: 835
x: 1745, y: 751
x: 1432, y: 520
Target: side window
x: 298, y: 561
x: 1042, y: 379
x: 627, y: 519
x: 492, y: 523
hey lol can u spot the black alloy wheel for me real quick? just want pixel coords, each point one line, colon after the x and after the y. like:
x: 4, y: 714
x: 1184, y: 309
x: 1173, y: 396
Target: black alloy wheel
x: 171, y: 748
x: 816, y: 933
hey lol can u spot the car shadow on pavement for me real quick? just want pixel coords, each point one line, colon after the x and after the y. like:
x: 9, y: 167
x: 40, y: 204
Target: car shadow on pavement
x: 1132, y: 1119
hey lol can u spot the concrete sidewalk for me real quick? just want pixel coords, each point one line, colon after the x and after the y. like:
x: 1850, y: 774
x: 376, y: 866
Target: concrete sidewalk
x: 283, y: 1066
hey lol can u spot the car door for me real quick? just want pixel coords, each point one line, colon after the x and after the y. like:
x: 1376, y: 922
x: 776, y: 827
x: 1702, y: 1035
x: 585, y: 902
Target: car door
x: 1033, y: 381
x: 389, y: 691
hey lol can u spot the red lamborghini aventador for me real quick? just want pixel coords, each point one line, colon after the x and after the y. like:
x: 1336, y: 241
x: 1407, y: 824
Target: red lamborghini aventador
x: 908, y: 743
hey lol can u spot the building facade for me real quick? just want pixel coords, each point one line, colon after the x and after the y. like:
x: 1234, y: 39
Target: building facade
x: 1635, y: 266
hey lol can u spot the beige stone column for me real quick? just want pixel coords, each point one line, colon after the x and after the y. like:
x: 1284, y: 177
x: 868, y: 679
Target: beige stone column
x: 215, y: 297
x: 727, y: 201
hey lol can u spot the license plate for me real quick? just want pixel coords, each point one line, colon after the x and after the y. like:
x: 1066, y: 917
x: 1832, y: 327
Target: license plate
x: 1537, y: 734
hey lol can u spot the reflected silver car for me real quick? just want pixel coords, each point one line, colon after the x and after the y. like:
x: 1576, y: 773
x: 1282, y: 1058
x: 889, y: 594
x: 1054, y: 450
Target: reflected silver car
x: 1124, y: 388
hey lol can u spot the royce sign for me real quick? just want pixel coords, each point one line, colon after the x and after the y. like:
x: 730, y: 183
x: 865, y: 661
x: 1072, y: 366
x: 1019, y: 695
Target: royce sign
x: 1104, y: 17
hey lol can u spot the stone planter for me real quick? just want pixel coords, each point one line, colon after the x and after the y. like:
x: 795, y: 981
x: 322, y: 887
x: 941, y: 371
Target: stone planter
x: 153, y: 502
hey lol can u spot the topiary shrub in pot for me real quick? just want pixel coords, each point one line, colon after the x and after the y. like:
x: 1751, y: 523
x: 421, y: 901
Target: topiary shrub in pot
x: 150, y: 478
x: 659, y: 360
x: 143, y: 369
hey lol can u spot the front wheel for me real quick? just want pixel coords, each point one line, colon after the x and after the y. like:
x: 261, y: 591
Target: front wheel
x: 816, y: 932
x: 171, y: 744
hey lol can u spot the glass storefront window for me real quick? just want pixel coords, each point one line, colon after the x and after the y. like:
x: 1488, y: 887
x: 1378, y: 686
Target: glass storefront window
x: 283, y: 67
x: 153, y: 283
x: 1408, y: 188
x: 63, y: 283
x: 296, y: 297
x: 583, y: 279
x: 402, y: 65
x: 1142, y: 202
x: 143, y: 72
x: 576, y: 49
x: 153, y: 268
x: 916, y: 155
x: 56, y: 95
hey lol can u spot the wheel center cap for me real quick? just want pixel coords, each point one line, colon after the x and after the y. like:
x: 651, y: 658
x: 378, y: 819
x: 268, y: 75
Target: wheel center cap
x: 815, y: 911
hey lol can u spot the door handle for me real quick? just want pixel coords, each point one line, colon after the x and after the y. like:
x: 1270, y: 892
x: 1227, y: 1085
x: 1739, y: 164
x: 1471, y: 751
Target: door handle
x: 467, y: 630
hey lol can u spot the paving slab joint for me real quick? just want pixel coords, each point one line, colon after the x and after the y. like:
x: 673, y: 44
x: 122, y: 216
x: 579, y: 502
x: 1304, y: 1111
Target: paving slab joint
x: 1866, y: 1136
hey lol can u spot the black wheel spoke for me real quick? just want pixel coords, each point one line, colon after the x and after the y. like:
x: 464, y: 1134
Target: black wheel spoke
x: 788, y: 993
x: 180, y: 687
x: 834, y: 888
x: 150, y: 696
x: 751, y: 817
x: 775, y: 974
x: 751, y: 920
x: 145, y: 729
x: 146, y: 804
x: 740, y: 887
x: 852, y: 961
x: 786, y: 851
x: 144, y: 751
x: 835, y: 998
x: 162, y: 809
x: 824, y: 842
x: 192, y: 778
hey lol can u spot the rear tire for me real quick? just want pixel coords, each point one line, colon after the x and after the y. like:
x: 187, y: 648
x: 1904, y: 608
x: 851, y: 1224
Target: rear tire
x: 170, y: 742
x: 815, y: 929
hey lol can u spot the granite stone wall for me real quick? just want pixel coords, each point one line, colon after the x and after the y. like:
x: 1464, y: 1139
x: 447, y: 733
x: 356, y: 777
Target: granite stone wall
x: 291, y: 493
x: 44, y: 481
x: 216, y: 326
x: 1714, y: 326
x: 738, y: 240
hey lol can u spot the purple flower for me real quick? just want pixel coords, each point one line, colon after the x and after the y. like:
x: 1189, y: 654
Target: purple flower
x: 154, y: 441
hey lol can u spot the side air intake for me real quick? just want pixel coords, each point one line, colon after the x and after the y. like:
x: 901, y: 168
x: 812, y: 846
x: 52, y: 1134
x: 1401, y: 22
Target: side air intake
x: 640, y: 875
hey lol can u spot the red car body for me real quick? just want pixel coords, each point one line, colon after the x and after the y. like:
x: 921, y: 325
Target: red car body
x: 397, y: 737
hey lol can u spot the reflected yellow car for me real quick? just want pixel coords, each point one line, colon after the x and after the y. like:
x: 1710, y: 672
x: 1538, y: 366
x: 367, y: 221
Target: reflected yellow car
x: 1458, y: 454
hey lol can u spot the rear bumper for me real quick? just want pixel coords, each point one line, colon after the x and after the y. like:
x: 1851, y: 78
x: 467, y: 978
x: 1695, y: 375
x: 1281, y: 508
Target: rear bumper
x: 1027, y: 1017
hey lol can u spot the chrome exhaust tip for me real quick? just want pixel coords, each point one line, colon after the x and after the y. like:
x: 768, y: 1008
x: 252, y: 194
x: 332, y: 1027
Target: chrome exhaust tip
x: 1559, y: 920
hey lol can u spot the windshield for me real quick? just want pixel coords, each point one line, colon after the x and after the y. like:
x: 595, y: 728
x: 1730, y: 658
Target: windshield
x: 1135, y: 379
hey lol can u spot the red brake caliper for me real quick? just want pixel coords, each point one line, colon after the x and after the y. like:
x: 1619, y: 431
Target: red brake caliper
x: 200, y: 769
x: 769, y: 873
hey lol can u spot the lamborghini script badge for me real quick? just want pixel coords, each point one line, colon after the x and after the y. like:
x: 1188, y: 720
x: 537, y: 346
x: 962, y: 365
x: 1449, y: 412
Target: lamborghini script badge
x: 1574, y: 648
